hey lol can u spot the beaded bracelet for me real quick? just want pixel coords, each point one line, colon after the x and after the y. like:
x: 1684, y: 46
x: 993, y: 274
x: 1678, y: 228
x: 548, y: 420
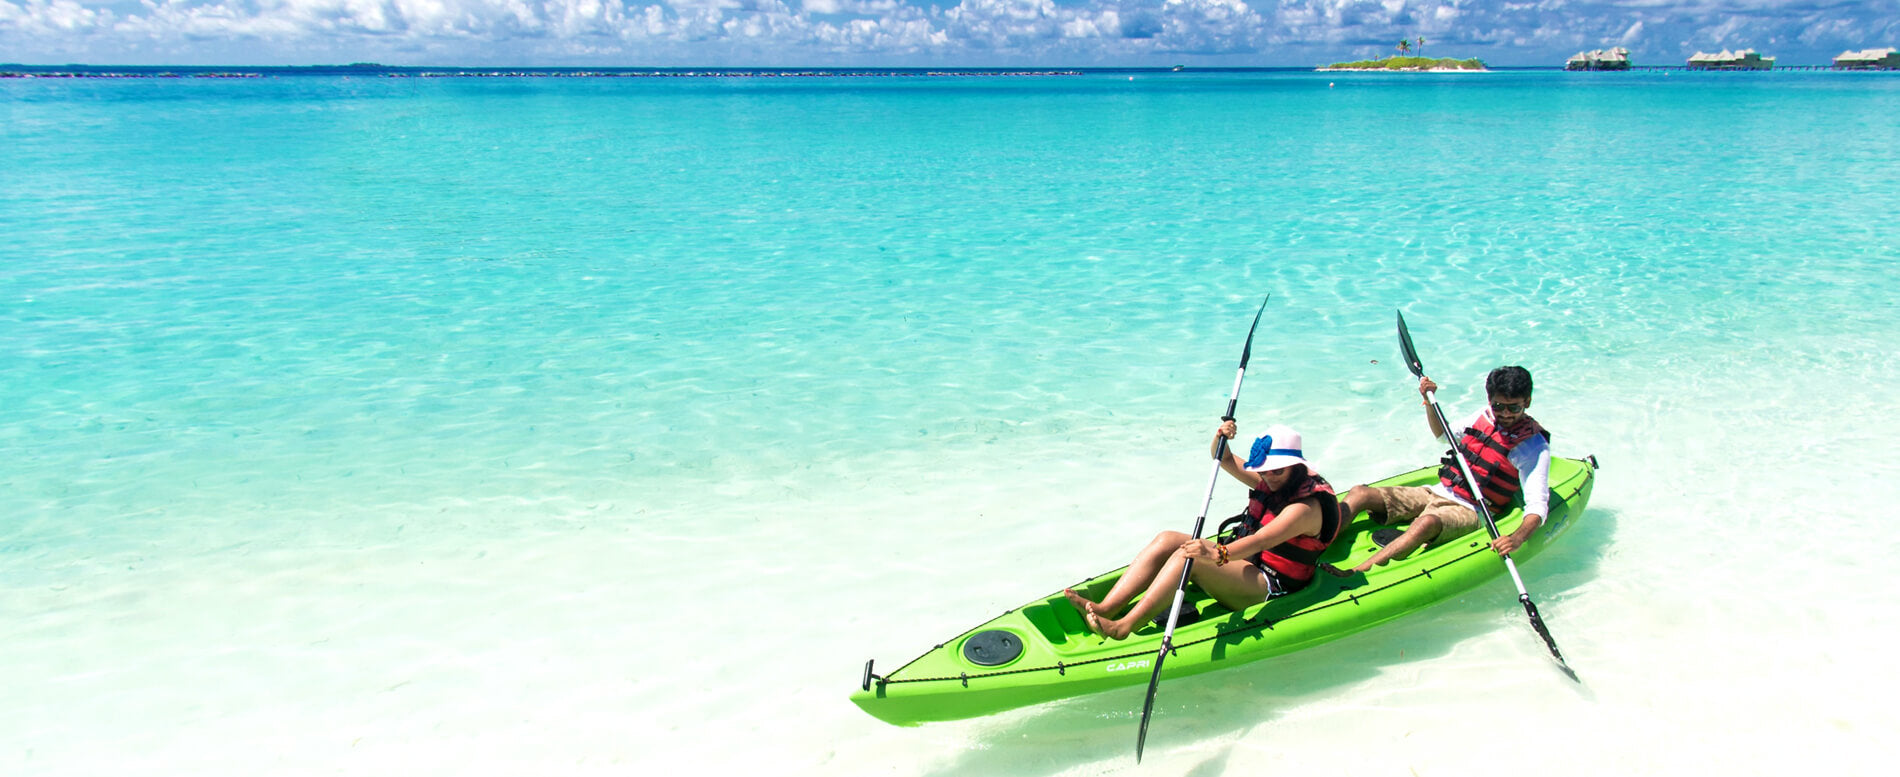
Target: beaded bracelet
x: 1220, y: 555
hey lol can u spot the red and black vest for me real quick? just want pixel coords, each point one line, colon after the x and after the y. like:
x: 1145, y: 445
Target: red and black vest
x: 1298, y: 557
x: 1488, y: 451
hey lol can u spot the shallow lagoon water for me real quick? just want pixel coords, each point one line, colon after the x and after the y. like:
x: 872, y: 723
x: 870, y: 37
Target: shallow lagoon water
x: 593, y: 426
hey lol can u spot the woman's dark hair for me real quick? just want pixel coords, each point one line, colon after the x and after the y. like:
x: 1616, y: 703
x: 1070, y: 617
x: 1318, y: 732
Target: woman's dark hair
x: 1296, y: 475
x: 1508, y: 382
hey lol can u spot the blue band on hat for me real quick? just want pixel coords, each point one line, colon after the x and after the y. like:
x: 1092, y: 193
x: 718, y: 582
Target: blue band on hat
x: 1263, y: 447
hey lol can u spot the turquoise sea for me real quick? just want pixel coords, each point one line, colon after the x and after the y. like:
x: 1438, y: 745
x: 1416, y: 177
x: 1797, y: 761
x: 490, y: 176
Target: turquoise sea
x: 607, y: 426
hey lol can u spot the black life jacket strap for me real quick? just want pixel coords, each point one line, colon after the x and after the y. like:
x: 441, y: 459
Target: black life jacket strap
x: 1240, y: 526
x: 1329, y: 517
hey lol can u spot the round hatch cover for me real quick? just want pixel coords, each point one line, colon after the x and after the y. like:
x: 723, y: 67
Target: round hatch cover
x: 992, y: 648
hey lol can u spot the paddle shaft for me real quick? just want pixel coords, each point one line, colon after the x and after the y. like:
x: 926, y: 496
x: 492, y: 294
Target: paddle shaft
x: 1180, y: 589
x: 1200, y: 521
x: 1484, y: 510
x: 1491, y: 525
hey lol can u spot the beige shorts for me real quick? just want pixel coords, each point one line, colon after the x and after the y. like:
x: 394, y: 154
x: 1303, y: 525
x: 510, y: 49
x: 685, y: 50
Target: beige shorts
x: 1404, y: 504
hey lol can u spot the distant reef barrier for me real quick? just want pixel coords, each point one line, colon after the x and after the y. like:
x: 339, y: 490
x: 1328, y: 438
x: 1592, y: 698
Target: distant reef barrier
x: 392, y: 72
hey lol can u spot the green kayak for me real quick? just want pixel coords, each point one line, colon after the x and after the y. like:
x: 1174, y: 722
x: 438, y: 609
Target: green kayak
x: 1042, y: 651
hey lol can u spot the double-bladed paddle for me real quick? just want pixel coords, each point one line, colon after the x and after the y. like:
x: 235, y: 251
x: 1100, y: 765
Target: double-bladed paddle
x: 1180, y: 590
x: 1410, y: 355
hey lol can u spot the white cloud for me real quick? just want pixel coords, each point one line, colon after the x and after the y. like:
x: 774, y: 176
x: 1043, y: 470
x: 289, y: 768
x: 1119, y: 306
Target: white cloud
x: 573, y: 18
x: 1631, y: 35
x: 860, y: 7
x: 997, y: 24
x: 1211, y: 26
x: 902, y: 31
x: 51, y: 18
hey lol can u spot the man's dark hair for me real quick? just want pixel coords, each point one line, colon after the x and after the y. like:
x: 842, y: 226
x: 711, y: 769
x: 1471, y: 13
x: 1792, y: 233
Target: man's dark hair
x: 1508, y: 382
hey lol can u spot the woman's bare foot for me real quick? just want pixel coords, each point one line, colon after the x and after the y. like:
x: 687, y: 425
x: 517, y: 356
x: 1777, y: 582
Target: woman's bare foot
x: 1112, y: 629
x: 1094, y: 622
x: 1081, y: 603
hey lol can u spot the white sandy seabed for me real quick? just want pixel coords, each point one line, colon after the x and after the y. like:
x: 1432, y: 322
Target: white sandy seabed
x: 1726, y: 610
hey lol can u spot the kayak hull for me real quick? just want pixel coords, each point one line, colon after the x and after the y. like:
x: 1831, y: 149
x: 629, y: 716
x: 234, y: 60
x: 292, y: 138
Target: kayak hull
x: 1055, y: 656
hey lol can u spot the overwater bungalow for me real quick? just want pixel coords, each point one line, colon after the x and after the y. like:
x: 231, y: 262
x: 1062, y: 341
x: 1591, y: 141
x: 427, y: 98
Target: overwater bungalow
x: 1614, y: 59
x: 1871, y: 59
x: 1746, y: 59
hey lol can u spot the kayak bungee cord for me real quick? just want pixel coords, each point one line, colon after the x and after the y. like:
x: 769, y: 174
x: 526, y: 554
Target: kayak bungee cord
x: 1180, y: 590
x: 1410, y: 356
x: 1245, y: 626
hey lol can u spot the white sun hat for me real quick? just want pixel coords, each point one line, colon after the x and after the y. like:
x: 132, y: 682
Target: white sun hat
x: 1279, y: 447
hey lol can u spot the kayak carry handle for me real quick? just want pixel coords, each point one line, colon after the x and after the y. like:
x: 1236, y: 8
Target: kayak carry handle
x: 868, y: 675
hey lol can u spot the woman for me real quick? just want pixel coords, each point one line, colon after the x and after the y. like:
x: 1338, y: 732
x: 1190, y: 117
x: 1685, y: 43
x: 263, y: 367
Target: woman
x: 1291, y: 518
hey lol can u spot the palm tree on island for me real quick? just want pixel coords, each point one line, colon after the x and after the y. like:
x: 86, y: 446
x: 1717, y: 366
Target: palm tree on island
x: 1405, y: 46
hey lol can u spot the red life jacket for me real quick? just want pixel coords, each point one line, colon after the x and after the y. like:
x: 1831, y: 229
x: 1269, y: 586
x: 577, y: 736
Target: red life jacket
x: 1297, y: 558
x: 1488, y: 451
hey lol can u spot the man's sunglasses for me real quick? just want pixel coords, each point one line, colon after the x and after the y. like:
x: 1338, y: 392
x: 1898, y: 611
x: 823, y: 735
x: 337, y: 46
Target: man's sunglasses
x: 1500, y: 407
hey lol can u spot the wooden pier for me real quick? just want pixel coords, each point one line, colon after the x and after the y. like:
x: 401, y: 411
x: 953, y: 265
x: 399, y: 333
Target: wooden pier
x: 1777, y: 68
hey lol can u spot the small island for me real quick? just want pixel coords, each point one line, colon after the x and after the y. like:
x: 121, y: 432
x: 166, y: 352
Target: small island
x: 1413, y: 65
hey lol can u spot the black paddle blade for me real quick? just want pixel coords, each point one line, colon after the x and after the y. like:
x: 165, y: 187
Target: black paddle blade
x: 1568, y: 672
x: 1148, y: 708
x: 1537, y: 622
x: 1246, y: 352
x: 1407, y: 352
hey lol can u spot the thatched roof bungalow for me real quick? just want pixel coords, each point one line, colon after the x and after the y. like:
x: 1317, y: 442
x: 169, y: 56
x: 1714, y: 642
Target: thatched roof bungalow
x: 1614, y: 59
x: 1870, y: 59
x: 1746, y: 59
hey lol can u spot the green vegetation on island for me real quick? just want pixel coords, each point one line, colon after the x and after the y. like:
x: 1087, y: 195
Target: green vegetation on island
x: 1409, y: 64
x: 1405, y: 62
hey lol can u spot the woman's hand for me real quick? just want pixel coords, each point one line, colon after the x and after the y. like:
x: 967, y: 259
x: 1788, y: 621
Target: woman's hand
x: 1225, y: 431
x: 1200, y: 550
x: 1426, y: 387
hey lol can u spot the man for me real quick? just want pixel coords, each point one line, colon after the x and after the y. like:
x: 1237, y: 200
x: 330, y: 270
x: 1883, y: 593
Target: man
x: 1509, y: 454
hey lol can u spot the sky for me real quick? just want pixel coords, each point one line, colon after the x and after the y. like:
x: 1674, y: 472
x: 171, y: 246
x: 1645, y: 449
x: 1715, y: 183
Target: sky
x: 921, y: 33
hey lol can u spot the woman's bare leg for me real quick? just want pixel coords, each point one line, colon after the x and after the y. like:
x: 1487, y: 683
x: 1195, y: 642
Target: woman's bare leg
x: 1237, y: 585
x: 1140, y: 573
x: 1160, y: 594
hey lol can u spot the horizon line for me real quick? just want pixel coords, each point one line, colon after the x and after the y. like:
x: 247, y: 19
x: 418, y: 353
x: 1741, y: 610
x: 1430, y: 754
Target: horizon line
x: 1025, y: 69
